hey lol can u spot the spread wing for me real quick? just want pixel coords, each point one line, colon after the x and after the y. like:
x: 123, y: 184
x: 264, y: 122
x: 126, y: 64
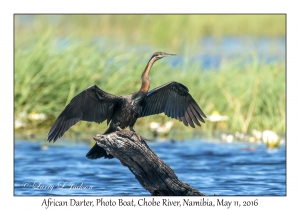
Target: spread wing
x: 92, y: 104
x: 175, y: 101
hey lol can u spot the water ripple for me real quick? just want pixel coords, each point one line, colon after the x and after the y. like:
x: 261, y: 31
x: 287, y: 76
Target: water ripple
x: 213, y: 168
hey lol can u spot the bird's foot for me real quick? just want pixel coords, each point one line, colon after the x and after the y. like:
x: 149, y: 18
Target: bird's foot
x: 138, y: 136
x: 97, y: 137
x: 135, y: 133
x: 131, y: 128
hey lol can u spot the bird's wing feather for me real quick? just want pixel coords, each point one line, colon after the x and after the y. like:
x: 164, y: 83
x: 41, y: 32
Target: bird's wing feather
x: 174, y: 100
x: 92, y: 104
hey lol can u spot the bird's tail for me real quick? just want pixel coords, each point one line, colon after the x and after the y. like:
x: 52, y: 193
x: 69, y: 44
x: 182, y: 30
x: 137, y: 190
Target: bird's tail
x: 98, y: 152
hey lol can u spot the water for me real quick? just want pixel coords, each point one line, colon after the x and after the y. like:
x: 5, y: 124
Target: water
x: 211, y: 167
x: 242, y: 50
x: 211, y: 52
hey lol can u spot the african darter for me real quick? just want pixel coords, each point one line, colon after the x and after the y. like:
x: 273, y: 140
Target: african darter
x: 96, y: 105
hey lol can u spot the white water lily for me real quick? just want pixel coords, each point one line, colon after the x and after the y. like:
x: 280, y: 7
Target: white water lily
x: 216, y: 117
x: 19, y: 124
x: 227, y: 138
x: 20, y: 120
x: 37, y: 116
x: 270, y: 138
x: 257, y: 134
x: 161, y: 129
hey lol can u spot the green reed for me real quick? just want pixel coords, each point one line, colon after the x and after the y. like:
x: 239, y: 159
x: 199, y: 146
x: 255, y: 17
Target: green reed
x: 166, y: 31
x: 56, y: 57
x: 47, y: 77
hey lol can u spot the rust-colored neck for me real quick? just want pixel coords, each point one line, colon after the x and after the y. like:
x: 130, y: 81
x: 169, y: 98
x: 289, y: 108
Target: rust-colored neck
x: 145, y: 76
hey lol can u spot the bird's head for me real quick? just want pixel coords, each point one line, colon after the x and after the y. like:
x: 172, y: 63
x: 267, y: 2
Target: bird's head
x: 159, y: 55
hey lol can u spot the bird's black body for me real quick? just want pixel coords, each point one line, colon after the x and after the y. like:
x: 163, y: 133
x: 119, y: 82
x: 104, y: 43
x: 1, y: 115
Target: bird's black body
x: 128, y: 110
x: 96, y: 105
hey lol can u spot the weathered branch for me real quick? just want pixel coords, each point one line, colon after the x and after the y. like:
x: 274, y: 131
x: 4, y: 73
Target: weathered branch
x: 152, y: 173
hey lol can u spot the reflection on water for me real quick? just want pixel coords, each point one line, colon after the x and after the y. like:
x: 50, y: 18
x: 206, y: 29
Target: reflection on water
x: 211, y: 167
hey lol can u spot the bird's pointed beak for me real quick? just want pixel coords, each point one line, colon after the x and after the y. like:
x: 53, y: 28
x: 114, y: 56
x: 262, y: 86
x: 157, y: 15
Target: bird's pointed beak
x: 167, y: 54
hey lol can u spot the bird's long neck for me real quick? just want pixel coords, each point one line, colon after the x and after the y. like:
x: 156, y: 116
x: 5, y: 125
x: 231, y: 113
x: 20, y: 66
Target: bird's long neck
x: 145, y: 76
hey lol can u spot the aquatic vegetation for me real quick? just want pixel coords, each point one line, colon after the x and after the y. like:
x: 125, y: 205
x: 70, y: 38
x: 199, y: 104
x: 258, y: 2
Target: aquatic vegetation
x: 52, y: 65
x: 173, y: 31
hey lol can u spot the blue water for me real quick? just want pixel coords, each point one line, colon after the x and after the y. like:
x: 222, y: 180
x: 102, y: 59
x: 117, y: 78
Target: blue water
x: 211, y: 167
x: 242, y: 50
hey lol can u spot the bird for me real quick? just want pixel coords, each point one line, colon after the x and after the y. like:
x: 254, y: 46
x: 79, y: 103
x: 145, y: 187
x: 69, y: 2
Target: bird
x: 96, y: 105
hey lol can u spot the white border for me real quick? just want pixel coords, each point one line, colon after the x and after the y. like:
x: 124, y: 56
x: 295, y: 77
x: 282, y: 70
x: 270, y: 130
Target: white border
x: 8, y: 8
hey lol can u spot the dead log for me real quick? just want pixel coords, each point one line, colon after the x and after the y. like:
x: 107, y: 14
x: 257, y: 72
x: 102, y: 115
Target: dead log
x: 152, y: 173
